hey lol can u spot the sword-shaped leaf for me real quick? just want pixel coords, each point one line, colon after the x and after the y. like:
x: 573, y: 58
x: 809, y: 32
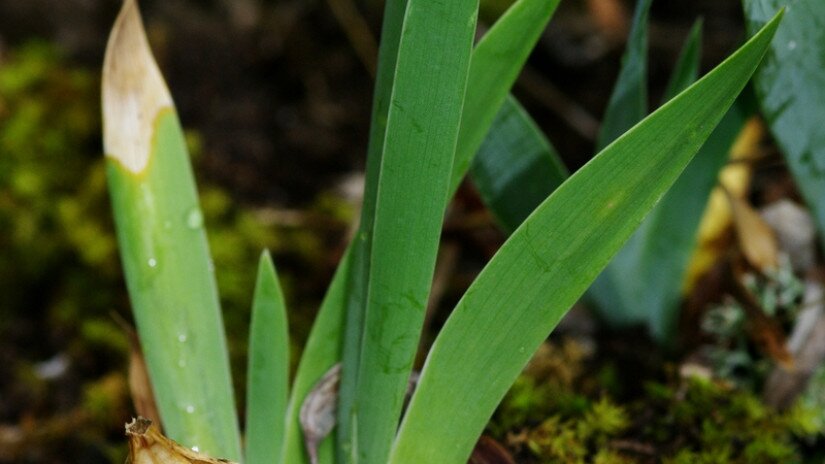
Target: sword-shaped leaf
x: 163, y: 246
x: 550, y: 260
x: 267, y: 377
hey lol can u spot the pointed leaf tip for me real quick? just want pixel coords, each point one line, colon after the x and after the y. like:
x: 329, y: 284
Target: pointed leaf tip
x: 134, y: 92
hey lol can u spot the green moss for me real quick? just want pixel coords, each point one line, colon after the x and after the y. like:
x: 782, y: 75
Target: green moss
x: 686, y: 421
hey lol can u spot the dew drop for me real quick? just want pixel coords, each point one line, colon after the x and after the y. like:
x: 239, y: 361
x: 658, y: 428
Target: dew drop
x: 181, y: 362
x: 152, y: 262
x: 521, y: 350
x: 190, y: 409
x: 182, y: 338
x: 196, y: 449
x: 792, y: 45
x: 194, y: 220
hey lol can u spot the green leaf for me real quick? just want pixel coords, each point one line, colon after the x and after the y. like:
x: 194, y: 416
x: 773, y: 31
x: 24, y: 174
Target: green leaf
x: 357, y: 278
x: 628, y: 103
x: 496, y: 63
x: 515, y: 45
x: 686, y: 70
x: 551, y: 259
x: 321, y: 352
x: 419, y: 145
x: 643, y: 282
x: 516, y: 167
x: 790, y: 85
x: 163, y: 247
x: 268, y: 373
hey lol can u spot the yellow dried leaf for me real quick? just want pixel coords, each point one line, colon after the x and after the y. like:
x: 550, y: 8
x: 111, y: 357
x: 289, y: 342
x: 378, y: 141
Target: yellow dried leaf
x: 148, y: 446
x: 735, y: 178
x: 143, y: 396
x: 756, y: 239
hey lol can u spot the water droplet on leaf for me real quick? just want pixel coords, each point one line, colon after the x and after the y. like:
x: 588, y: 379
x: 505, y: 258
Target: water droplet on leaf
x: 194, y: 220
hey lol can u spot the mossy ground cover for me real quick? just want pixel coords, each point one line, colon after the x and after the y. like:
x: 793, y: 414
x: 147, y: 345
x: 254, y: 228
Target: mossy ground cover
x: 568, y: 408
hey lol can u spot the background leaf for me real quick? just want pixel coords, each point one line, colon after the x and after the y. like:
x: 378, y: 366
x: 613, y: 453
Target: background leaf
x: 790, y: 85
x: 516, y: 168
x: 628, y: 103
x: 686, y: 70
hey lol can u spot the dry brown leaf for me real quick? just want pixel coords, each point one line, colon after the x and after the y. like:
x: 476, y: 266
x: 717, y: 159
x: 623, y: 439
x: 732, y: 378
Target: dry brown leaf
x: 318, y: 411
x: 756, y: 238
x: 143, y: 397
x: 735, y: 178
x: 148, y: 446
x: 317, y: 415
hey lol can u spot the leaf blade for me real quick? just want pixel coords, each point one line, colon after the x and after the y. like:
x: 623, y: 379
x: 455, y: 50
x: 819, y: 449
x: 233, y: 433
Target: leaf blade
x: 496, y: 63
x: 456, y: 393
x: 422, y: 130
x: 268, y: 372
x: 789, y: 85
x: 163, y: 246
x: 358, y: 254
x: 321, y: 352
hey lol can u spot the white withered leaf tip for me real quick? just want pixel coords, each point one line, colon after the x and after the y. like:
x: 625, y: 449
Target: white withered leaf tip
x: 134, y: 92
